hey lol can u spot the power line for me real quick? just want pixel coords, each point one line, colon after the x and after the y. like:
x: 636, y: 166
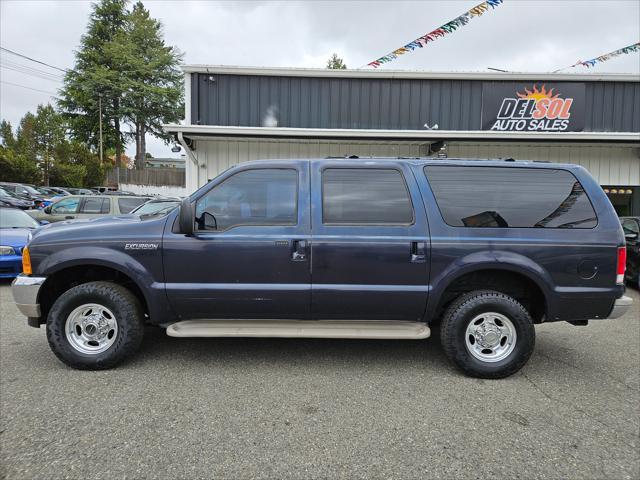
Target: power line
x: 13, y: 64
x: 33, y: 73
x: 32, y: 59
x: 28, y: 88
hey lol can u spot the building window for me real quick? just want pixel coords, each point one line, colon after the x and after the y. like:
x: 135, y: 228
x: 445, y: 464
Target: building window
x: 499, y: 197
x: 362, y: 196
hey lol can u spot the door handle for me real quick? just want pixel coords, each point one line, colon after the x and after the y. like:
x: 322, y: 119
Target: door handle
x: 417, y: 252
x: 299, y: 252
x: 69, y: 217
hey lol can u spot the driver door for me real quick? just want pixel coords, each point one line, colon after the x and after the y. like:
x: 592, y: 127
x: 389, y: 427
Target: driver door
x: 249, y: 255
x: 64, y: 209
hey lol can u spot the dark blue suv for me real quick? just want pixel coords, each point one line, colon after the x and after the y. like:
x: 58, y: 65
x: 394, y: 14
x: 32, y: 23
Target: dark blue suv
x: 339, y: 248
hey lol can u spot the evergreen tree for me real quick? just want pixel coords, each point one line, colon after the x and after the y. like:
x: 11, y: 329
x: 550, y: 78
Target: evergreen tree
x: 98, y: 73
x: 336, y: 63
x: 6, y: 135
x: 154, y: 81
x: 48, y: 134
x: 41, y: 151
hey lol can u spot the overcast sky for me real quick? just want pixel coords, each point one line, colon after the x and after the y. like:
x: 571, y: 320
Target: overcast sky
x: 520, y: 35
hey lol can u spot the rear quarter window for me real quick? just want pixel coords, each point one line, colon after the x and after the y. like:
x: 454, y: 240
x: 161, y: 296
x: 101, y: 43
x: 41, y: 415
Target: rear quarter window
x: 502, y: 197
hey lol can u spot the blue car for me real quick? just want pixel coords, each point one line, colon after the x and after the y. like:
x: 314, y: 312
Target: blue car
x: 15, y: 230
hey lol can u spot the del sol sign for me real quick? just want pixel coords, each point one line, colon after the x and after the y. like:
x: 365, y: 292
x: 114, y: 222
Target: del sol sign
x: 533, y: 107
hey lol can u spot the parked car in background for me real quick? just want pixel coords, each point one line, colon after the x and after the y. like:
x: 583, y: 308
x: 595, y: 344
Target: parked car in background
x: 82, y: 191
x: 50, y: 195
x: 104, y: 189
x: 28, y: 192
x: 87, y: 206
x: 631, y: 228
x: 156, y: 206
x: 10, y: 199
x: 15, y: 228
x: 55, y: 190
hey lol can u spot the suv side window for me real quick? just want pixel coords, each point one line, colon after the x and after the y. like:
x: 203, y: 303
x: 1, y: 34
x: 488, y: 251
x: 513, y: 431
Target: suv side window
x: 500, y: 197
x: 266, y: 196
x: 95, y: 205
x: 66, y: 205
x: 365, y: 196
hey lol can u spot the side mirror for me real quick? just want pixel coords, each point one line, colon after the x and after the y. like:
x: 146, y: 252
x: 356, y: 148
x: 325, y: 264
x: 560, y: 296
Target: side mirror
x: 47, y: 209
x: 185, y: 217
x: 44, y: 222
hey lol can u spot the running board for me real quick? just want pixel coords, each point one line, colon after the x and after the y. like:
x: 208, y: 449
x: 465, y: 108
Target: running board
x: 383, y: 329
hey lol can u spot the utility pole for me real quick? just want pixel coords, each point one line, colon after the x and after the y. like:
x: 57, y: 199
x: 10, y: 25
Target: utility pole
x: 100, y: 122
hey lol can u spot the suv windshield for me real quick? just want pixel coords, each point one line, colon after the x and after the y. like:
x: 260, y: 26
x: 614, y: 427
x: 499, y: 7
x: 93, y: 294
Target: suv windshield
x: 31, y: 190
x: 12, y: 218
x: 155, y: 208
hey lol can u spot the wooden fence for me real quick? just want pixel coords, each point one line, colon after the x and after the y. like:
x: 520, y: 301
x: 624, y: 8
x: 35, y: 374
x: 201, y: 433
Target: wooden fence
x: 147, y: 176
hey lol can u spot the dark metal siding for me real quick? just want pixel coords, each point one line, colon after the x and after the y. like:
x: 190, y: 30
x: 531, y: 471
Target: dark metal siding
x: 389, y: 104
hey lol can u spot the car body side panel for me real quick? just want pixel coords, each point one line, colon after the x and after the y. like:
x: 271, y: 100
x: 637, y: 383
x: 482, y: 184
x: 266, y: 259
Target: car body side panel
x: 574, y: 268
x: 107, y: 243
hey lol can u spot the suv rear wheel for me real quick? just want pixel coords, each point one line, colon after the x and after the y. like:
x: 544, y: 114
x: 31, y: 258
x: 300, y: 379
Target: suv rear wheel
x: 487, y: 334
x: 95, y: 325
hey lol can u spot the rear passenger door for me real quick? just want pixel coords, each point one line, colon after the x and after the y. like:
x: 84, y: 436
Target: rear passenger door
x: 370, y: 246
x: 91, y: 207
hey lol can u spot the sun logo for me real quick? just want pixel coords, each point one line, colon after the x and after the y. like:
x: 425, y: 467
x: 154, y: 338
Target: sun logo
x: 538, y: 94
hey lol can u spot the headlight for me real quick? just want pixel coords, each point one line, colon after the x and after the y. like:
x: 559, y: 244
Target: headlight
x: 7, y: 250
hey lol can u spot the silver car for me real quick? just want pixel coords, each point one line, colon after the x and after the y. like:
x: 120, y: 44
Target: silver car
x: 87, y: 206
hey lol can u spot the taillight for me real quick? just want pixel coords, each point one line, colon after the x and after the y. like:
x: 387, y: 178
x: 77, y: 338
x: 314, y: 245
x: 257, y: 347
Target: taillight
x: 622, y: 265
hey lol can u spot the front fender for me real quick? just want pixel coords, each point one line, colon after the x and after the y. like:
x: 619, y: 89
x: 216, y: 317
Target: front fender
x: 487, y: 260
x: 142, y: 274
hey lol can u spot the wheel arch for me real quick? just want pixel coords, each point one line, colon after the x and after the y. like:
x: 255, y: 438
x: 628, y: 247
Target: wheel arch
x: 522, y: 279
x: 70, y: 274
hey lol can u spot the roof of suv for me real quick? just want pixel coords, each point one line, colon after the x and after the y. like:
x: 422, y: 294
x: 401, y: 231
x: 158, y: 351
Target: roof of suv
x: 498, y: 162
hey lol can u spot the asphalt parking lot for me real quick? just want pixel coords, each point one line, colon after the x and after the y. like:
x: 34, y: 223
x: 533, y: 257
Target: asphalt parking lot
x: 247, y: 408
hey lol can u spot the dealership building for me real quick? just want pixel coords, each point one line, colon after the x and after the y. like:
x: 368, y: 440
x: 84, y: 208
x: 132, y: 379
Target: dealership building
x: 236, y: 114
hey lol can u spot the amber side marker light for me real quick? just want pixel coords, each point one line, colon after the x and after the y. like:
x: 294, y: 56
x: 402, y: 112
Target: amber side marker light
x: 26, y: 261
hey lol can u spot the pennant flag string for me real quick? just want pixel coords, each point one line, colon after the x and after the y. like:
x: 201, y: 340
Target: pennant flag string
x: 603, y: 58
x: 441, y: 31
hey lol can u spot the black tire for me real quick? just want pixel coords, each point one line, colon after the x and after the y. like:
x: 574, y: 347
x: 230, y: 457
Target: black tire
x: 128, y: 315
x: 465, y: 308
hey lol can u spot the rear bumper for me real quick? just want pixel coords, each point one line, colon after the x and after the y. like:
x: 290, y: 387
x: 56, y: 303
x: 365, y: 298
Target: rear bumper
x: 25, y: 294
x: 620, y: 307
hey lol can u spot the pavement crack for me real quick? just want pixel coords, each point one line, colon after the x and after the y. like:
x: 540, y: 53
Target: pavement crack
x: 579, y: 410
x: 568, y: 364
x: 537, y: 387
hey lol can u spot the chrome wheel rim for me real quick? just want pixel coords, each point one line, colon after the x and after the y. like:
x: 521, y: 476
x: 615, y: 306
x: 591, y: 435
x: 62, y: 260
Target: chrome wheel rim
x: 490, y: 337
x: 91, y: 329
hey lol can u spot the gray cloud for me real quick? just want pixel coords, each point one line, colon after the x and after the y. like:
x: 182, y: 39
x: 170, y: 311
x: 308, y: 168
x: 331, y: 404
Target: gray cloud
x: 521, y: 35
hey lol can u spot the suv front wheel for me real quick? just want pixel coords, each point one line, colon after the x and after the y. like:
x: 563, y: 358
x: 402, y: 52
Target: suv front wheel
x: 95, y: 325
x: 487, y: 334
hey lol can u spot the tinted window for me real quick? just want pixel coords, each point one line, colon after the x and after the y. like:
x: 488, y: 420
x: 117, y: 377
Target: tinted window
x: 95, y: 205
x: 127, y: 204
x: 66, y: 205
x: 510, y: 197
x: 252, y: 197
x: 630, y: 226
x: 365, y: 196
